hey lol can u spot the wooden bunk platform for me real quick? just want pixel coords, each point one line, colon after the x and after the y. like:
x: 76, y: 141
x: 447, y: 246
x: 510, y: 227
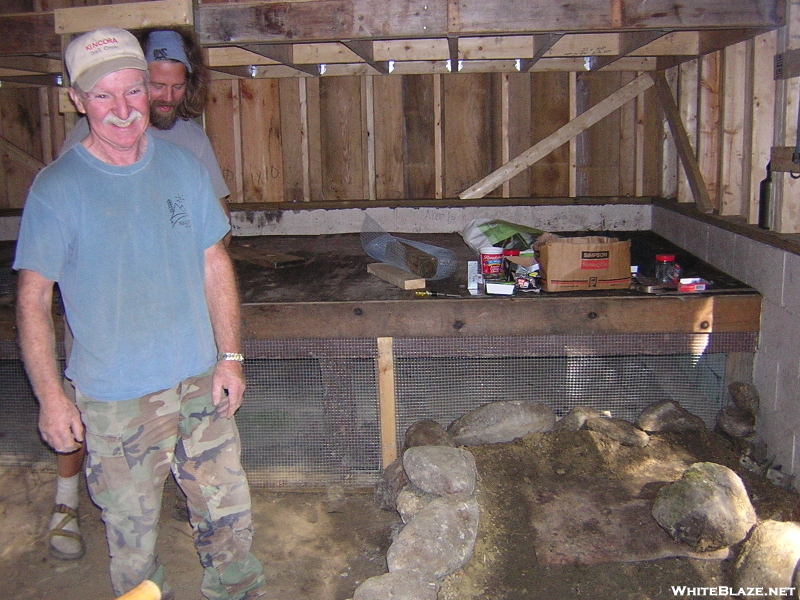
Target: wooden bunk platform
x: 331, y: 294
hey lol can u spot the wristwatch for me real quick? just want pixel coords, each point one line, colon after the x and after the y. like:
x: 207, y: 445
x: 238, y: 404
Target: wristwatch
x: 237, y: 356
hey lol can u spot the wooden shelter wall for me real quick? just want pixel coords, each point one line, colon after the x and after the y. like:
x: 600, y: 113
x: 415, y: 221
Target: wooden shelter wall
x: 482, y: 120
x: 409, y: 137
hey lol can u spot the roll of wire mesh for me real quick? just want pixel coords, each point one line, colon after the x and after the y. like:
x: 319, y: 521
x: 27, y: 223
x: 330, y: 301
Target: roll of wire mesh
x: 421, y: 259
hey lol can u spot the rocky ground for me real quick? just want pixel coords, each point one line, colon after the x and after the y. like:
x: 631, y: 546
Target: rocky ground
x: 320, y: 546
x: 512, y: 489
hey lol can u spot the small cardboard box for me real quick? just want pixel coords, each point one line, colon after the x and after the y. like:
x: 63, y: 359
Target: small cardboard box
x: 585, y: 263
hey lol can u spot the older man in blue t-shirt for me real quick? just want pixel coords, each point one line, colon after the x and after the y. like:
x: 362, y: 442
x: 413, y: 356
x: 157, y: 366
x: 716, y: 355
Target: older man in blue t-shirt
x: 130, y: 229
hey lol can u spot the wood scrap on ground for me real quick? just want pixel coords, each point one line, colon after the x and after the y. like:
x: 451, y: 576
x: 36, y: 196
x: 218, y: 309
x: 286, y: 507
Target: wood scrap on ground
x: 256, y: 256
x: 402, y: 279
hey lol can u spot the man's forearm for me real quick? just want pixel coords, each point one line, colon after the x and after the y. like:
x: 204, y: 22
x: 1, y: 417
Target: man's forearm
x: 37, y: 336
x: 59, y: 421
x: 222, y: 296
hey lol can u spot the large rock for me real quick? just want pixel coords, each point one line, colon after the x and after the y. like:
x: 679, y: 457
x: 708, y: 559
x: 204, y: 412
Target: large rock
x: 411, y: 500
x: 575, y: 419
x: 668, y: 416
x: 745, y: 396
x: 440, y: 469
x: 427, y: 433
x: 768, y: 559
x: 438, y: 541
x: 620, y: 430
x: 735, y: 421
x: 502, y: 421
x: 707, y: 508
x: 393, y: 479
x: 397, y: 586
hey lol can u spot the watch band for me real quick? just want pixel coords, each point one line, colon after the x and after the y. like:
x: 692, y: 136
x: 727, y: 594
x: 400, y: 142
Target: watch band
x: 237, y: 356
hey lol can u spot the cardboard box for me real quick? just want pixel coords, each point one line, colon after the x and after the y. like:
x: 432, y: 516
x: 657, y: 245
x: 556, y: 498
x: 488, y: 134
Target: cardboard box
x: 585, y: 263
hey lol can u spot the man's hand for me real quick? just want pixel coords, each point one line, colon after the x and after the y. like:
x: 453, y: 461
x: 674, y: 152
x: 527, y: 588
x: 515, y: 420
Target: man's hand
x: 60, y: 424
x: 227, y: 387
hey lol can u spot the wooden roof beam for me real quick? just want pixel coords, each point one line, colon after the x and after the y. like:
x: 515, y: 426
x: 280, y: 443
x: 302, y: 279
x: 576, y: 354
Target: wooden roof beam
x: 239, y: 21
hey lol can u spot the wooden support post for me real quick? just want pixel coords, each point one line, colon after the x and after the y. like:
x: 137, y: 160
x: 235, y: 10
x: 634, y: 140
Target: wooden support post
x: 386, y: 400
x: 573, y: 142
x: 688, y: 160
x: 559, y: 137
x: 733, y: 160
x: 786, y: 196
x: 369, y: 106
x: 669, y: 156
x: 438, y: 137
x: 505, y: 125
x: 304, y: 148
x: 236, y: 119
x: 709, y: 125
x: 688, y: 85
x: 762, y: 105
x: 47, y: 135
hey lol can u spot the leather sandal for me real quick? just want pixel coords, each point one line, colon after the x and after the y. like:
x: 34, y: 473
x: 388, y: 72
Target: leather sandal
x: 70, y: 514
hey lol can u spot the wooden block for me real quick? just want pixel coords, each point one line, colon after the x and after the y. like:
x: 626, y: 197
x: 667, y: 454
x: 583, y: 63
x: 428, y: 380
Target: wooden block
x: 420, y: 263
x: 395, y: 276
x: 256, y: 256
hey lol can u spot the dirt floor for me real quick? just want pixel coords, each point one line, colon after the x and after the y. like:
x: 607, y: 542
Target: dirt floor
x: 314, y: 546
x: 591, y: 480
x: 318, y: 546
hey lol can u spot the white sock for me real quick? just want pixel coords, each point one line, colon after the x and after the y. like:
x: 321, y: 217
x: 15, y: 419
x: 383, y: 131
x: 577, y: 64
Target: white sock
x: 67, y: 490
x: 66, y: 493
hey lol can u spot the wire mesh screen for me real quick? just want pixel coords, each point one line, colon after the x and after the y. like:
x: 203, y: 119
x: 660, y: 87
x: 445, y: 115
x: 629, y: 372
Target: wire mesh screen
x: 310, y: 422
x: 19, y: 435
x: 442, y: 379
x: 311, y: 416
x: 444, y: 389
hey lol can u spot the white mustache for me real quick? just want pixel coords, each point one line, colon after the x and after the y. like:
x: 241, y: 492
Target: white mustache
x: 111, y: 119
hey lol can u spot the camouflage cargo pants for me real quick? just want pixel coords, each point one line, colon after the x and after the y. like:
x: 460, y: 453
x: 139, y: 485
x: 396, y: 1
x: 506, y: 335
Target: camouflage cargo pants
x: 132, y: 446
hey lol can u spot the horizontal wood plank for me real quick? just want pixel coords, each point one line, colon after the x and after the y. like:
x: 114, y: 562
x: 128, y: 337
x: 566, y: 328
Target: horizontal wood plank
x: 29, y: 33
x: 318, y: 21
x: 550, y: 315
x: 131, y: 15
x: 220, y: 23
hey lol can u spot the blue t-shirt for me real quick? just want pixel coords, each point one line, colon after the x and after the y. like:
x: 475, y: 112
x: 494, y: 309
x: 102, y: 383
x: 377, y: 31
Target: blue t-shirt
x: 126, y: 244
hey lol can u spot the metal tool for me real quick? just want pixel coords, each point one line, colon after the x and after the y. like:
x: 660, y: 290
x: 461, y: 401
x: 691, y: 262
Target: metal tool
x: 430, y: 294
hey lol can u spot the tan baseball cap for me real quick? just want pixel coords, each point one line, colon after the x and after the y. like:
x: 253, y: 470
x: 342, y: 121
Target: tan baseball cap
x: 93, y: 55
